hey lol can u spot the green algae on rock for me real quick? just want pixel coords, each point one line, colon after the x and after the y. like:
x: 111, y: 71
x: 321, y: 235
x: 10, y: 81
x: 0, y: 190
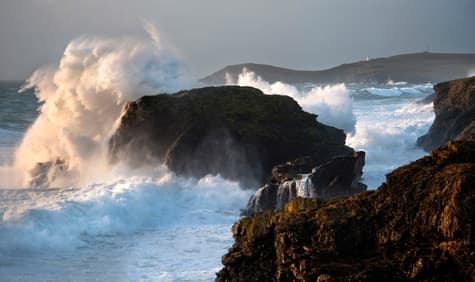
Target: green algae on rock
x: 419, y: 225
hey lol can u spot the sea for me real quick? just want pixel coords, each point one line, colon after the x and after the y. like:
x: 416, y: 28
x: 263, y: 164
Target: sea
x: 162, y: 227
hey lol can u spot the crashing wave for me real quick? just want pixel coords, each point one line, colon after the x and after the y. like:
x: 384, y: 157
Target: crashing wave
x: 81, y: 100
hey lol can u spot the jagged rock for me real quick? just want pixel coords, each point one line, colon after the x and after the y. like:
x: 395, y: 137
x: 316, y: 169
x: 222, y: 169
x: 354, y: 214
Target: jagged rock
x: 454, y: 107
x: 237, y: 132
x: 418, y: 226
x: 338, y: 177
x: 292, y: 169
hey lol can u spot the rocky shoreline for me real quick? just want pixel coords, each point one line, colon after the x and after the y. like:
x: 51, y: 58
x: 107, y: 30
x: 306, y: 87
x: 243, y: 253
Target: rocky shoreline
x: 417, y: 226
x: 337, y: 177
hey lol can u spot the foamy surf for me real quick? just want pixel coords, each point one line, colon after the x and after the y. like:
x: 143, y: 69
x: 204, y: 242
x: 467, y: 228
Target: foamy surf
x: 397, y: 90
x: 387, y: 131
x: 166, y: 227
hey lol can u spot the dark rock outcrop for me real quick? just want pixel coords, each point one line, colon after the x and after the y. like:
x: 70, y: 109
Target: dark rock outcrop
x: 413, y: 68
x: 454, y: 107
x: 418, y: 226
x: 237, y: 132
x: 338, y: 177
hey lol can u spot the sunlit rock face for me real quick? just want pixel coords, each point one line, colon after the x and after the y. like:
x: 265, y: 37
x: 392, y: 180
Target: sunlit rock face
x: 236, y: 132
x: 417, y: 226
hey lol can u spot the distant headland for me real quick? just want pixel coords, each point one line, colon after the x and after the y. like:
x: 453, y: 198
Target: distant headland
x: 413, y: 68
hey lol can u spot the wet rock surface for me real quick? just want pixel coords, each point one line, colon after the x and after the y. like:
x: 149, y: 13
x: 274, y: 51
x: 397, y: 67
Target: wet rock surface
x: 418, y: 226
x: 338, y: 177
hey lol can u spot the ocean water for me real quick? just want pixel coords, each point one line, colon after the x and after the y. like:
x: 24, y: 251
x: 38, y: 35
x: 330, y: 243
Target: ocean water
x: 162, y: 227
x: 17, y: 112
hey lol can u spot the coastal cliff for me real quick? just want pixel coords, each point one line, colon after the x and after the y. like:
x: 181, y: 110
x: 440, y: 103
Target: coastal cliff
x: 237, y: 132
x: 419, y: 225
x: 454, y: 106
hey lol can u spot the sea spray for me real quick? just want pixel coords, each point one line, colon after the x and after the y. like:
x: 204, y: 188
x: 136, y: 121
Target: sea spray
x: 332, y: 103
x: 387, y: 130
x: 81, y: 100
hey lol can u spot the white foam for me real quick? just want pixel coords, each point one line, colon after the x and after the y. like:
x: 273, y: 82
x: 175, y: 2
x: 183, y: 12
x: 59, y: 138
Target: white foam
x: 398, y: 89
x: 386, y: 92
x: 391, y: 82
x: 388, y: 131
x: 83, y: 97
x: 142, y: 228
x: 332, y: 103
x: 67, y: 218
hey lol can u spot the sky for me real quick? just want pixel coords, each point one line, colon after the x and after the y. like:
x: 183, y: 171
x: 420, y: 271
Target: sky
x: 210, y: 34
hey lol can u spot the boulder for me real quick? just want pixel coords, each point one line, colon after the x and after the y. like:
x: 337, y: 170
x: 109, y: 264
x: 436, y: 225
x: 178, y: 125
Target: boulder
x: 454, y: 107
x: 338, y: 177
x: 418, y: 226
x: 237, y: 132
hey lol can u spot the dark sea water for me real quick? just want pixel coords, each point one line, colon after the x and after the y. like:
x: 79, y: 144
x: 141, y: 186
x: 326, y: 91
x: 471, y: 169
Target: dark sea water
x: 17, y: 112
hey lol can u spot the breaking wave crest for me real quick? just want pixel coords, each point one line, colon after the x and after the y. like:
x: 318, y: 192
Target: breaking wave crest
x: 69, y: 218
x: 332, y: 103
x: 81, y: 101
x: 388, y: 135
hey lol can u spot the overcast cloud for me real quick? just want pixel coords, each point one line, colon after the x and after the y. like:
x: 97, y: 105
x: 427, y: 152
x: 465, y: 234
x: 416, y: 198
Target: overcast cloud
x: 210, y: 34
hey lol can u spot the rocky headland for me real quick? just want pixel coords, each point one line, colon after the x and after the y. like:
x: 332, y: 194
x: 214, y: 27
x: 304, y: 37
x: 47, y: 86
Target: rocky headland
x: 418, y: 226
x: 413, y: 68
x: 237, y: 132
x: 454, y: 107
